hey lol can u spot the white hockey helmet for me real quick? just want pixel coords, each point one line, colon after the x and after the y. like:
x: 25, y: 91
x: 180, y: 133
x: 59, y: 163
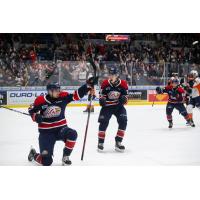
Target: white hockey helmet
x: 194, y: 73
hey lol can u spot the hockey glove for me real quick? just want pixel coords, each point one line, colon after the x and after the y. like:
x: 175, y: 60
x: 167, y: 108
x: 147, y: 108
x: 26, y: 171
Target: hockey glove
x: 174, y: 93
x: 38, y: 118
x: 189, y: 90
x: 123, y: 100
x: 102, y: 101
x: 91, y: 82
x: 191, y: 83
x: 91, y: 97
x: 158, y: 90
x: 182, y: 81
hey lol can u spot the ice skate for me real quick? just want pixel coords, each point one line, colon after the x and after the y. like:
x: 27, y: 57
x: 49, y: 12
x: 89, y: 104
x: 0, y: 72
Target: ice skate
x: 31, y: 154
x: 100, y: 147
x: 119, y: 147
x: 190, y: 123
x: 170, y: 125
x: 66, y: 161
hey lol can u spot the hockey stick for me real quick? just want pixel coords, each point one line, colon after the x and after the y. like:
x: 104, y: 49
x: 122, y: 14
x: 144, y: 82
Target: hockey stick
x: 89, y: 111
x: 86, y: 129
x: 14, y: 110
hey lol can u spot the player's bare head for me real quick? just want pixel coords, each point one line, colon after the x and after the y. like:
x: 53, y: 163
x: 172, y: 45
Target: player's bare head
x: 175, y: 82
x: 113, y: 74
x: 53, y: 90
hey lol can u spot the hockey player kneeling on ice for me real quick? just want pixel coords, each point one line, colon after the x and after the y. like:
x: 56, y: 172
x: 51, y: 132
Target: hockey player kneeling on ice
x: 49, y: 112
x: 113, y: 96
x: 194, y: 84
x: 176, y: 100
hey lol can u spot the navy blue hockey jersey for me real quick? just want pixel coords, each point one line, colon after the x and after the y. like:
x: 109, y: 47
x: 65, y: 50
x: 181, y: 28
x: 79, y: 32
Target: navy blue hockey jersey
x: 112, y: 93
x: 53, y: 110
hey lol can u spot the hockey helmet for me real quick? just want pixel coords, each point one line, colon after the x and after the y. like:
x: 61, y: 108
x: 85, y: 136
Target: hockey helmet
x: 193, y: 74
x: 113, y: 70
x: 175, y: 81
x: 53, y: 86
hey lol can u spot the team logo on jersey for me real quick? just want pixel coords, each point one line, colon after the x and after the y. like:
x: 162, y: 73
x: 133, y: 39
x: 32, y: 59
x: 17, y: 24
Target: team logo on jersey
x: 113, y: 95
x: 52, y: 111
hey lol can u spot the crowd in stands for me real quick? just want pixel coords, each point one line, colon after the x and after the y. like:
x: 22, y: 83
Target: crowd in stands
x: 36, y: 59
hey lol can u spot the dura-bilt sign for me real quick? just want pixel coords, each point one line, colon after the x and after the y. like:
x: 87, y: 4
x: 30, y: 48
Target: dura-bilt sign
x: 3, y: 97
x: 22, y: 97
x: 28, y: 97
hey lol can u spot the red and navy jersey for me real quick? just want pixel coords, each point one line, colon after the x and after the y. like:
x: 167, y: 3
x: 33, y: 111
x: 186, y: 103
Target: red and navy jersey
x: 176, y: 95
x: 53, y: 110
x: 112, y: 92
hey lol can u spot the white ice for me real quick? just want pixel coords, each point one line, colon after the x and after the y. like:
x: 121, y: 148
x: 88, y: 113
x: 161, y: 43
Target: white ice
x: 148, y: 140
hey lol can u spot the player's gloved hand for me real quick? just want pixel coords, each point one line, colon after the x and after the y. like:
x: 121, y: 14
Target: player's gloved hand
x: 189, y: 90
x: 182, y: 81
x: 38, y: 118
x: 174, y: 93
x: 91, y: 97
x: 91, y: 82
x: 102, y: 101
x: 158, y: 90
x: 191, y: 83
x: 123, y: 100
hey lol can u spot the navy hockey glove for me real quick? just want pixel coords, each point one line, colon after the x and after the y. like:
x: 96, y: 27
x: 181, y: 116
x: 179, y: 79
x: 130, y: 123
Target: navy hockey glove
x: 91, y: 82
x: 102, y: 101
x: 182, y: 81
x: 158, y: 90
x: 191, y: 83
x: 123, y: 100
x: 38, y: 118
x: 91, y: 96
x: 174, y: 92
x: 189, y: 90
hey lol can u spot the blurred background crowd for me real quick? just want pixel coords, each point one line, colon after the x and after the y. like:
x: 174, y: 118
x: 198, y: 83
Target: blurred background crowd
x: 144, y: 59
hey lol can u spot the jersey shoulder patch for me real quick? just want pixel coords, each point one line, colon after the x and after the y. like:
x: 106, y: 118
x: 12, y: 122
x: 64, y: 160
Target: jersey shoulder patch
x: 124, y: 84
x: 39, y: 100
x: 104, y: 84
x: 63, y: 94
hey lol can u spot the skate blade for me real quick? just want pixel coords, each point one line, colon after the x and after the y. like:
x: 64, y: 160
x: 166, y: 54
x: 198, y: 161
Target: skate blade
x: 190, y: 125
x: 64, y: 164
x: 100, y: 151
x: 119, y: 150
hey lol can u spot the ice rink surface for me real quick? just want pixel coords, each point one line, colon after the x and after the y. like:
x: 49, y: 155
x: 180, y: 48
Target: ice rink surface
x: 148, y: 140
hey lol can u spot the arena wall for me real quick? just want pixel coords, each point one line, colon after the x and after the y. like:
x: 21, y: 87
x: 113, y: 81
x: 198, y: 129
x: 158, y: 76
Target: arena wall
x: 23, y: 97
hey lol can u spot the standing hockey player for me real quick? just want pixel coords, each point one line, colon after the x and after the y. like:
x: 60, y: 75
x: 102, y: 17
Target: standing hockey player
x: 194, y: 84
x: 176, y: 100
x: 113, y: 97
x: 49, y: 112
